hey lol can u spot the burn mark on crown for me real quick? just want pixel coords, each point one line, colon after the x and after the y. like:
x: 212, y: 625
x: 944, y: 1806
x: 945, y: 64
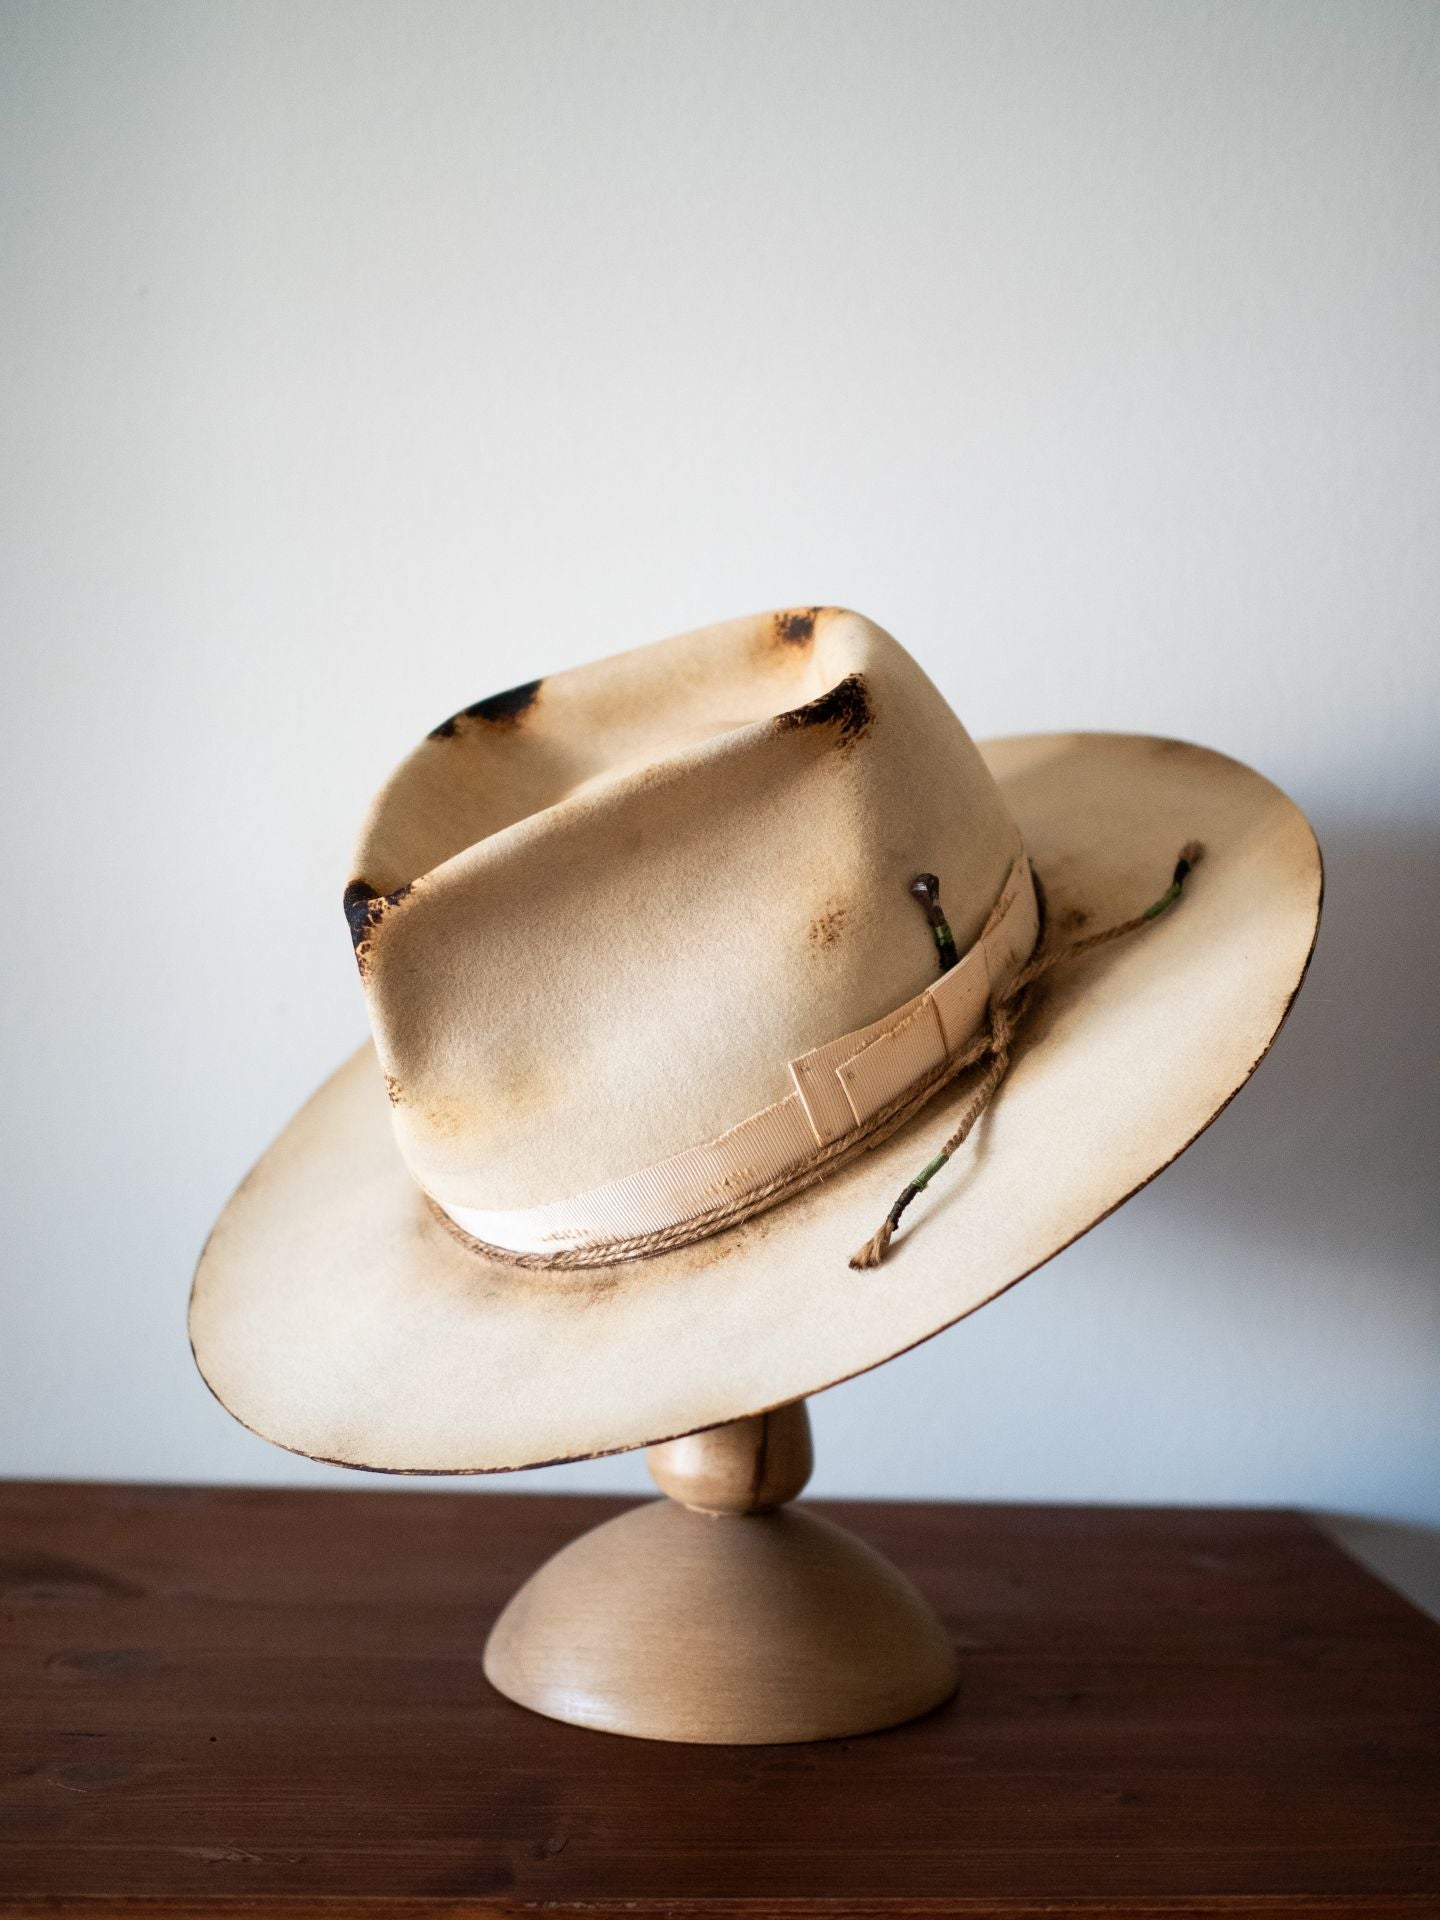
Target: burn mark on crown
x: 364, y: 909
x: 846, y: 707
x: 506, y: 709
x: 795, y: 627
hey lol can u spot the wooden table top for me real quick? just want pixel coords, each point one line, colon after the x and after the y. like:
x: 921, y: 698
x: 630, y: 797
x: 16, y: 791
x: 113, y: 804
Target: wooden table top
x: 230, y: 1701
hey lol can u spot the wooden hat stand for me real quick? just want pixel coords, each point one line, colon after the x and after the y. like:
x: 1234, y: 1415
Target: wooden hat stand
x: 721, y: 1615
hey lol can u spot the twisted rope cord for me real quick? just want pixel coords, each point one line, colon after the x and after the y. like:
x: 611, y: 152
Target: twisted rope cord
x: 1005, y: 1015
x: 828, y: 1159
x: 1007, y: 1010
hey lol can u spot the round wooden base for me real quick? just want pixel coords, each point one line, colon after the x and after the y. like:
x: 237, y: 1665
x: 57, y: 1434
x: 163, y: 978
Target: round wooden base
x: 674, y: 1624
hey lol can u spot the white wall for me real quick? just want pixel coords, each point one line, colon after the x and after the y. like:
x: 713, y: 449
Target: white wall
x: 360, y: 359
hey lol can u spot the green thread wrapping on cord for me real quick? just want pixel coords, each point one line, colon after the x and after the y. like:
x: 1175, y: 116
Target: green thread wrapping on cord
x: 1004, y: 1012
x: 926, y: 889
x: 922, y: 1180
x: 1172, y: 892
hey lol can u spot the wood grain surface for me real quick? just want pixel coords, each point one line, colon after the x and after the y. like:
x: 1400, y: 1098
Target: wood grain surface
x: 237, y: 1702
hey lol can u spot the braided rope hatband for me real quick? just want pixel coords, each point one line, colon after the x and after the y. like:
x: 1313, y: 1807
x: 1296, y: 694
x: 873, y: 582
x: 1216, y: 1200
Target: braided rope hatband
x: 984, y: 998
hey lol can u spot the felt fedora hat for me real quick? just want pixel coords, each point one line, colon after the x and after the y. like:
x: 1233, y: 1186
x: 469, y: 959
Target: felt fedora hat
x: 687, y: 973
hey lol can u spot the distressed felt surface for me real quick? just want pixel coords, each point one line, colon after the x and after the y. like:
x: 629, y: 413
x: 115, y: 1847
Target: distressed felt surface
x: 605, y: 913
x: 334, y: 1315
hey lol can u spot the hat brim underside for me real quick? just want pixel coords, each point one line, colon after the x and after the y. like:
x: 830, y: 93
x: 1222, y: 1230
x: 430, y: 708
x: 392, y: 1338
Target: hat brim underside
x: 335, y: 1316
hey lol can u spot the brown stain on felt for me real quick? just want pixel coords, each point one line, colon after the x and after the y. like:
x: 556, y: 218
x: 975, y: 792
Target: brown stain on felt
x: 365, y: 907
x: 503, y: 710
x: 830, y: 925
x: 845, y: 706
x: 584, y: 1286
x: 446, y: 1117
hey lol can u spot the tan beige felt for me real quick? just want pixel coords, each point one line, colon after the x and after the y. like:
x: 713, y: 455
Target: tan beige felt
x: 335, y: 1316
x: 597, y: 916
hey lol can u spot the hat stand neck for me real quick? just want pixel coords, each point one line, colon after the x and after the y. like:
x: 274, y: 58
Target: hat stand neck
x: 720, y: 1614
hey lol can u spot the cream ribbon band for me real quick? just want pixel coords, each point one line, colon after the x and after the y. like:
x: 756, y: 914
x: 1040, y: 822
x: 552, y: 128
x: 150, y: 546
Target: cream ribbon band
x: 838, y: 1090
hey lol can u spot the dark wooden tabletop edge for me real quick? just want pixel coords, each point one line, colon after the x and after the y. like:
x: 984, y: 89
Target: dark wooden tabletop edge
x: 1218, y: 1906
x: 349, y: 1483
x: 588, y: 1507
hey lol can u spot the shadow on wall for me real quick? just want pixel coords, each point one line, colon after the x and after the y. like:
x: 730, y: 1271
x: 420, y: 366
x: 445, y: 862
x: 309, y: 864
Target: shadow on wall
x: 1408, y: 1558
x: 1335, y: 1147
x: 1335, y: 1144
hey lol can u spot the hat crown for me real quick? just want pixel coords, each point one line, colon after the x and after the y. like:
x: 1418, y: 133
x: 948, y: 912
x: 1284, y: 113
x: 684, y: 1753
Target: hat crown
x: 598, y: 915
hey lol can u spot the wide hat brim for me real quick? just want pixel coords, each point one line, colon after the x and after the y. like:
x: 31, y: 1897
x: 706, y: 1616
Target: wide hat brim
x: 334, y: 1315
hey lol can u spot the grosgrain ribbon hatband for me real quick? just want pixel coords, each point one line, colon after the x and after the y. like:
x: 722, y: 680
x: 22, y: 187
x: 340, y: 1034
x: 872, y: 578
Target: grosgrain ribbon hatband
x: 842, y: 1093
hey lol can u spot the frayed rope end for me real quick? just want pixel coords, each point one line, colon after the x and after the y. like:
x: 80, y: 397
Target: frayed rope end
x: 1002, y: 1017
x: 873, y: 1251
